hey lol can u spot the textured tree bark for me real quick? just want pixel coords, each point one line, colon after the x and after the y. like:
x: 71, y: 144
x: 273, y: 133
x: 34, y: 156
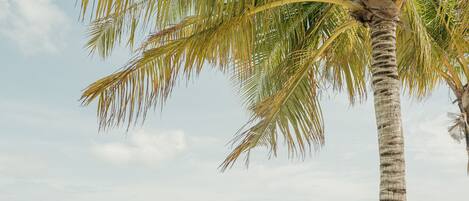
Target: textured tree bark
x: 463, y: 103
x: 386, y: 88
x: 466, y: 132
x: 464, y: 108
x: 467, y: 149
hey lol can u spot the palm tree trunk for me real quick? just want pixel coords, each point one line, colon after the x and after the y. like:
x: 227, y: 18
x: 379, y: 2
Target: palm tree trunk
x: 466, y: 133
x: 467, y: 149
x: 461, y: 99
x: 386, y: 88
x: 467, y: 146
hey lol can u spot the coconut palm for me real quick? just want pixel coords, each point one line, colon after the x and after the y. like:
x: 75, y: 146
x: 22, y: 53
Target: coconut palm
x: 282, y: 53
x: 447, y: 23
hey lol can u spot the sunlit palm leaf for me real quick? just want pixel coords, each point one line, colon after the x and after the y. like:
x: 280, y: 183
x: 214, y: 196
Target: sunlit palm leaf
x: 292, y: 112
x: 129, y: 93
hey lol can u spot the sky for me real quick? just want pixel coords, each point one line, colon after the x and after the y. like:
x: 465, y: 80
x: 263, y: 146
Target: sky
x: 50, y: 147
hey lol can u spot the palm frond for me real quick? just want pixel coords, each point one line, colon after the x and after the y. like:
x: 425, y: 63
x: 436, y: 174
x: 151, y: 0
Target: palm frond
x: 113, y: 19
x: 105, y: 33
x: 346, y: 62
x: 221, y: 39
x: 149, y: 78
x: 416, y: 52
x: 292, y: 111
x: 445, y: 23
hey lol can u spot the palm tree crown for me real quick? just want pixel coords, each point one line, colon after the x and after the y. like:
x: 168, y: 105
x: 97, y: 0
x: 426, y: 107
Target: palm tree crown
x: 282, y: 54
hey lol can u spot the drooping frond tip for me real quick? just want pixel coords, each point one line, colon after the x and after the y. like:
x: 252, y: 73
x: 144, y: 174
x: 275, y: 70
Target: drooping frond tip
x: 127, y: 95
x: 178, y: 50
x: 301, y: 131
x: 292, y: 111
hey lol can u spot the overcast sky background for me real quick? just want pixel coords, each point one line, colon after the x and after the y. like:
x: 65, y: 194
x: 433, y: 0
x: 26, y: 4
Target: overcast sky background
x: 50, y: 148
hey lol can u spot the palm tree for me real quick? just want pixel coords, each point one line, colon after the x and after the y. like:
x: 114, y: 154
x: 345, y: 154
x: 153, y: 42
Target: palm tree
x: 447, y: 24
x: 282, y: 53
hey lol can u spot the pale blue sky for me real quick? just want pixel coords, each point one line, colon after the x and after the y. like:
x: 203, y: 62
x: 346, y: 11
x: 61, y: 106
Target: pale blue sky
x: 50, y: 148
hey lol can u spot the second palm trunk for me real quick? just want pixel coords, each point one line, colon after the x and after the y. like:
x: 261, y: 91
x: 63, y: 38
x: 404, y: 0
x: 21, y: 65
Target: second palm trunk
x: 386, y: 89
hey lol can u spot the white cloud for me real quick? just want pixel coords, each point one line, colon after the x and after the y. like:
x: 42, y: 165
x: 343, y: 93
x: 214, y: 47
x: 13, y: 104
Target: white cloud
x: 143, y: 147
x: 34, y: 25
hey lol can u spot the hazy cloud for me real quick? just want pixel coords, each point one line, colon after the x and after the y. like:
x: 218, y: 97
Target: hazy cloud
x: 143, y: 147
x: 34, y: 25
x: 20, y: 165
x: 292, y: 182
x: 429, y: 141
